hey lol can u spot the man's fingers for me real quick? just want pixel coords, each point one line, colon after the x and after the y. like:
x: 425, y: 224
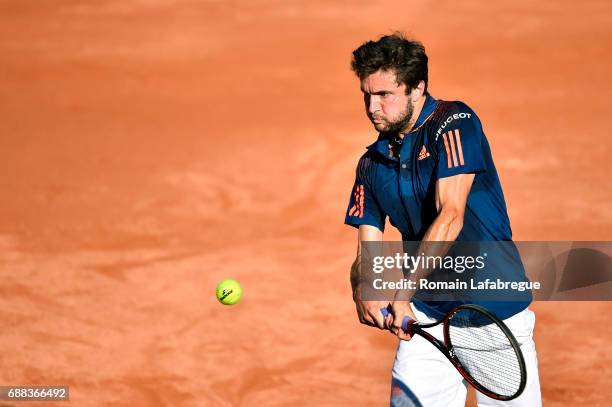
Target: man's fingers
x: 388, y: 321
x: 377, y: 318
x: 403, y: 335
x: 396, y: 325
x: 362, y: 314
x: 398, y: 321
x: 370, y: 314
x: 365, y: 321
x: 397, y: 329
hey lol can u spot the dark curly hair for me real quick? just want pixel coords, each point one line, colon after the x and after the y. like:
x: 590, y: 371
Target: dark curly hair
x: 394, y: 52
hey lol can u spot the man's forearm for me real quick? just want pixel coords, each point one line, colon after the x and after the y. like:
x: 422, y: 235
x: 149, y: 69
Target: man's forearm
x: 359, y: 279
x: 437, y: 240
x: 445, y: 228
x: 356, y: 274
x: 370, y: 235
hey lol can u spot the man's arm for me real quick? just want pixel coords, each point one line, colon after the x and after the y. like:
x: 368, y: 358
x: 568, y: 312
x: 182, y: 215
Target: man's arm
x: 368, y: 311
x: 451, y: 200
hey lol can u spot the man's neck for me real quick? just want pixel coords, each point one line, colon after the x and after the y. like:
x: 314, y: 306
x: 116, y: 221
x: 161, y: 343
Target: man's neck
x: 416, y: 112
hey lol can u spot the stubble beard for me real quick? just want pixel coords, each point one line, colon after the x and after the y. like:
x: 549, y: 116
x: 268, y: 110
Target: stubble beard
x: 400, y: 124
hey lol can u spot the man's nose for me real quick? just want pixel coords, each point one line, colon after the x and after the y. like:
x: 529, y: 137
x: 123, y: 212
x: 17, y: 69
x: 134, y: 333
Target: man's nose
x: 373, y: 103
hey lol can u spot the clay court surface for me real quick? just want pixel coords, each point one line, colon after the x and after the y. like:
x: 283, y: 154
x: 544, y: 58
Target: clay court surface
x: 152, y: 148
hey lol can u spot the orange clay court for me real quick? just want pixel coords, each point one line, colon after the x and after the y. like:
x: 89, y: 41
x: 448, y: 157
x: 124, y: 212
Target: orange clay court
x: 152, y: 148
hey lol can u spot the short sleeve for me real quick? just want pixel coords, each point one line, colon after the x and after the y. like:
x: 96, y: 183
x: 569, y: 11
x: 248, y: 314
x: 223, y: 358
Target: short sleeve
x: 460, y: 145
x: 363, y: 209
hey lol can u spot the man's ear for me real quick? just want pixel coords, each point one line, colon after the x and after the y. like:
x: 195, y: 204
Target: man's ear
x: 418, y: 91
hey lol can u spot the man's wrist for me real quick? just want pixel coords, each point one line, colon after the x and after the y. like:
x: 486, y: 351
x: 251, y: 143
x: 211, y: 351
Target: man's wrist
x: 403, y: 295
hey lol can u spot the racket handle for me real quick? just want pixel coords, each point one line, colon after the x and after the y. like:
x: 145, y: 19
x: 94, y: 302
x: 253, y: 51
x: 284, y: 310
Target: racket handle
x: 406, y: 323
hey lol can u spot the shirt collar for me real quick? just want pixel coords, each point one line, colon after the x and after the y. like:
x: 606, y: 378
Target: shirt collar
x: 428, y: 108
x: 381, y: 145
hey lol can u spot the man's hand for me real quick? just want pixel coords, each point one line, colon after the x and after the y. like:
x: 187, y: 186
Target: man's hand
x: 393, y: 322
x: 369, y: 311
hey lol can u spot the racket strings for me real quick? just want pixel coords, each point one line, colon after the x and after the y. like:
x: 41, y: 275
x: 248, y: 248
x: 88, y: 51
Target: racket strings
x: 485, y: 352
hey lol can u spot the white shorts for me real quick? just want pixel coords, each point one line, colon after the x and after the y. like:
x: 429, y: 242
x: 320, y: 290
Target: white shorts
x: 423, y: 377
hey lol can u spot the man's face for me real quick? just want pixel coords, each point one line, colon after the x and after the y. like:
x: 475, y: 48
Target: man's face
x: 387, y: 105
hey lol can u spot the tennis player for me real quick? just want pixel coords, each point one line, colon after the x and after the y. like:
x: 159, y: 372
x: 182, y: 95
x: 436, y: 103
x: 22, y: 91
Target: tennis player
x: 432, y: 173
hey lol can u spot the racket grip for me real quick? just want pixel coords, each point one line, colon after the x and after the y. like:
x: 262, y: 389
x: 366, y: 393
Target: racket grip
x: 406, y: 323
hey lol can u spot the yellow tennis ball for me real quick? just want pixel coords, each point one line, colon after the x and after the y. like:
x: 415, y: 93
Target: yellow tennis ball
x: 229, y: 292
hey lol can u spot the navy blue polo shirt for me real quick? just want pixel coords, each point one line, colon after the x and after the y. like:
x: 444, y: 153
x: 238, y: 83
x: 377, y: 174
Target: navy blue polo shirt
x: 446, y: 140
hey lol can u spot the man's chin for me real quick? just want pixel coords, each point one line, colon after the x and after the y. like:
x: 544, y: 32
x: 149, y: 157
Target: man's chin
x: 380, y: 127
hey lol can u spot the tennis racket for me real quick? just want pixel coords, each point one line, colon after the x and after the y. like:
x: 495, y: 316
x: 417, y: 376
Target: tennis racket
x: 481, y: 347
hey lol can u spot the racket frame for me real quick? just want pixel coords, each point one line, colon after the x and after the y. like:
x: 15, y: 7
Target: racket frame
x: 446, y: 347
